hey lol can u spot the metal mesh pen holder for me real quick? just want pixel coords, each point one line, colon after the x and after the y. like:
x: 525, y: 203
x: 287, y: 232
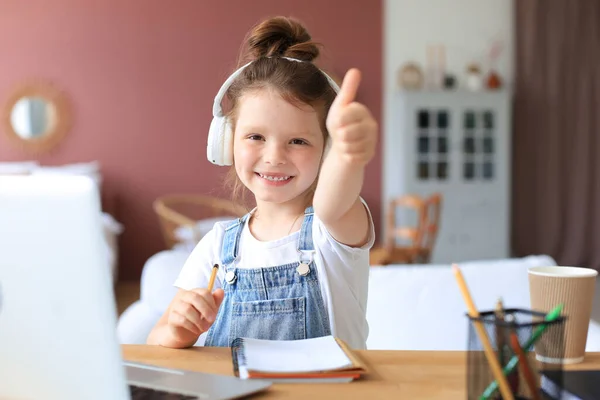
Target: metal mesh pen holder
x: 534, y: 335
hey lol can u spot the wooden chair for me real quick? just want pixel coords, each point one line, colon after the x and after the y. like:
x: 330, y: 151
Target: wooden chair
x: 431, y: 227
x: 421, y: 237
x: 391, y: 252
x: 185, y: 210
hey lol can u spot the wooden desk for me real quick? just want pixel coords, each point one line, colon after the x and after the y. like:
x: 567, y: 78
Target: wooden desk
x: 393, y: 374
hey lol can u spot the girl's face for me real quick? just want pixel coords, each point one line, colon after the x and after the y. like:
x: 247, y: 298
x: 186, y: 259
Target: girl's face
x: 277, y: 146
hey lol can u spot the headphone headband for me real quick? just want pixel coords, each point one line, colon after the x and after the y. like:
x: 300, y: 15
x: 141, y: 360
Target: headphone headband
x: 219, y: 149
x: 218, y: 110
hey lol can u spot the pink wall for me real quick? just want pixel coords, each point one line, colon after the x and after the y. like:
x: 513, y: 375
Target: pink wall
x: 142, y: 75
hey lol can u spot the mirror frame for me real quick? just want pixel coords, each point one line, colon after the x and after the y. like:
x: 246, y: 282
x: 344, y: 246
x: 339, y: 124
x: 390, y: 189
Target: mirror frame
x: 50, y: 93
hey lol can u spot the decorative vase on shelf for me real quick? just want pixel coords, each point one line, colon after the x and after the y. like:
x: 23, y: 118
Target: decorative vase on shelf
x: 493, y: 80
x: 410, y: 77
x: 474, y: 80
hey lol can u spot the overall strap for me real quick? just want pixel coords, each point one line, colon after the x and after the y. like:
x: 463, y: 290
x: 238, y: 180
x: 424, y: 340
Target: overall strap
x: 305, y: 241
x: 231, y: 239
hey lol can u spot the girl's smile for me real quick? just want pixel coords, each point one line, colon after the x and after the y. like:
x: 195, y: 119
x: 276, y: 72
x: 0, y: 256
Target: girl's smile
x: 275, y: 179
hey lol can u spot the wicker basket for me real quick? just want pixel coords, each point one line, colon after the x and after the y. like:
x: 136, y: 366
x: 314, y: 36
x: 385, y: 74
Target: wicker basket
x: 185, y: 210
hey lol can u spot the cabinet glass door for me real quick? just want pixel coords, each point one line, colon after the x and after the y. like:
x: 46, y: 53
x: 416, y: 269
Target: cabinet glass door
x: 477, y: 131
x: 432, y: 141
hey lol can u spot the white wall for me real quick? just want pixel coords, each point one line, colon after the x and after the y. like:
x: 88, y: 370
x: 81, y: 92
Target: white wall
x: 465, y: 27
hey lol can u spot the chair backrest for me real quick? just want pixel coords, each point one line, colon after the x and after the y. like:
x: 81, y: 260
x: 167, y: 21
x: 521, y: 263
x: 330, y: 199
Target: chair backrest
x: 431, y: 227
x: 411, y: 233
x: 186, y: 210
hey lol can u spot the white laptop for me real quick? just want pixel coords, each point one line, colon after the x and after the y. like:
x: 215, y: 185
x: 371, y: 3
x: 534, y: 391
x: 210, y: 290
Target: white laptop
x: 57, y: 310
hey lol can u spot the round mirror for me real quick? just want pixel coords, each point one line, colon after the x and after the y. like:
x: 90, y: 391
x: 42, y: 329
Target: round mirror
x: 33, y: 117
x: 36, y: 116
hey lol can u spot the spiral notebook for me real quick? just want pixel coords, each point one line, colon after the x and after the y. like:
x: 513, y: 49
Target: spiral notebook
x: 323, y: 359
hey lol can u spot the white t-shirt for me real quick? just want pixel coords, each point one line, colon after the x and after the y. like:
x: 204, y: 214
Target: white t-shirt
x: 343, y: 271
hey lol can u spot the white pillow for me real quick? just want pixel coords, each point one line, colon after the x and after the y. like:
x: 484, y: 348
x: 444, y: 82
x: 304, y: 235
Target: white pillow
x: 17, y: 167
x: 90, y: 169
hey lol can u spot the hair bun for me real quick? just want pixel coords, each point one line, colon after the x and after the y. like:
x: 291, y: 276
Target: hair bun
x: 283, y: 37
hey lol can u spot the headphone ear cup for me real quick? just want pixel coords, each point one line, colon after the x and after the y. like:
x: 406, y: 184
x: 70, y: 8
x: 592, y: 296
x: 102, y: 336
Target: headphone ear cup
x: 219, y: 149
x: 212, y: 152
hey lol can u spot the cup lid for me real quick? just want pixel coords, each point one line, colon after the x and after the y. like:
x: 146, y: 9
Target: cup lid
x: 563, y: 272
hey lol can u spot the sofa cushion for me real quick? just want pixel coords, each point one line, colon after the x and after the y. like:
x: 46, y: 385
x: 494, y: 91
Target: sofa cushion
x: 159, y: 274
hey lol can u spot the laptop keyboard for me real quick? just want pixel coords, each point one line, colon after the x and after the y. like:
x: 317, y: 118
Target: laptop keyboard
x: 143, y: 393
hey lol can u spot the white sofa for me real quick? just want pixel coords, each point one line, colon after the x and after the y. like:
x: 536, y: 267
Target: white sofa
x: 410, y: 307
x: 419, y: 307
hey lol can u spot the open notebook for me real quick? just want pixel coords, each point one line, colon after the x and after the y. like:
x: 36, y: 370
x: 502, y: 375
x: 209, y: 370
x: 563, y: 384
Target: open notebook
x: 323, y: 359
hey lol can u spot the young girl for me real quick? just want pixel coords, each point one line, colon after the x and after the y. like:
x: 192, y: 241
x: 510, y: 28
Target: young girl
x: 297, y: 265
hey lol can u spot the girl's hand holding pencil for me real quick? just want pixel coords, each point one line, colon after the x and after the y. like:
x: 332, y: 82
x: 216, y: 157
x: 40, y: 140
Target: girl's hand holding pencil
x: 194, y: 311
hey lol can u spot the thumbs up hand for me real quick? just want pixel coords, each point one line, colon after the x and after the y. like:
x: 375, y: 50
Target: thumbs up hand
x: 352, y: 128
x: 353, y: 134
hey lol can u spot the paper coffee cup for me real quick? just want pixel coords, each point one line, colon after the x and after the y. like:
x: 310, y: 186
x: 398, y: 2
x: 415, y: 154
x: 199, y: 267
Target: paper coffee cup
x: 574, y: 288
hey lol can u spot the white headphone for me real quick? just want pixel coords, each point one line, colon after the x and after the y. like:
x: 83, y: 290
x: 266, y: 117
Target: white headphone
x: 219, y: 150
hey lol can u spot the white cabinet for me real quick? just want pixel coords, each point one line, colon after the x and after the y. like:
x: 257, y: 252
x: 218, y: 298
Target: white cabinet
x: 456, y: 143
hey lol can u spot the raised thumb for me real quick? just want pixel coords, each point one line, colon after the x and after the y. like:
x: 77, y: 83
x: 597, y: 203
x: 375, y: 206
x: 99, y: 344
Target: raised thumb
x: 348, y: 90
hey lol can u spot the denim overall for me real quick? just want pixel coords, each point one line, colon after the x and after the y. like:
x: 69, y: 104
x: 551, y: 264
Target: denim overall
x: 280, y: 302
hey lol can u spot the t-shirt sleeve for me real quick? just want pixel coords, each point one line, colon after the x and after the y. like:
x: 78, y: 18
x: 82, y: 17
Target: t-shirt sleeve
x: 198, y: 266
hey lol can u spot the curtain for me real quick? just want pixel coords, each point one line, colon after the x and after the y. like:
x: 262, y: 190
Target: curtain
x: 556, y: 143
